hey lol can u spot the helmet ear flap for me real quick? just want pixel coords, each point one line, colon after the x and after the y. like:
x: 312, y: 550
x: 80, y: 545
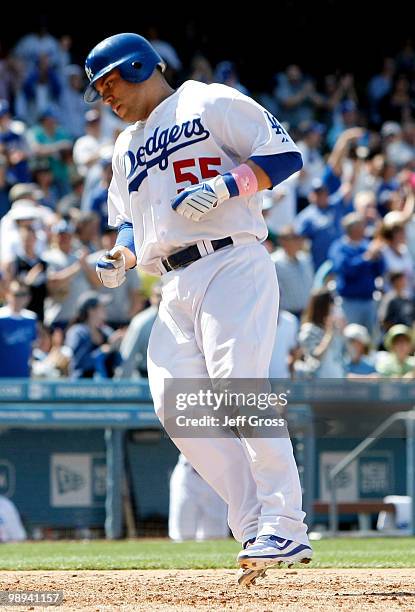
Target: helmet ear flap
x: 132, y: 70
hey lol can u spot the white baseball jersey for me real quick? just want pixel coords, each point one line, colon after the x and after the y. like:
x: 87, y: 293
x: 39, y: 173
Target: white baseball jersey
x: 193, y: 135
x: 11, y: 528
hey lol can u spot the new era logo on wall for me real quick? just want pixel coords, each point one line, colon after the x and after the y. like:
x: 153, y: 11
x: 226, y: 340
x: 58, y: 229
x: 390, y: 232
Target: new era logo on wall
x: 68, y: 480
x: 71, y: 480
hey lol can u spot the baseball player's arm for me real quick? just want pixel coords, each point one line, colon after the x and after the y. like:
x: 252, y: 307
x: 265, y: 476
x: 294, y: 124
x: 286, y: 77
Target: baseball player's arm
x: 111, y: 267
x: 263, y: 180
x: 130, y: 258
x: 257, y: 173
x: 242, y: 126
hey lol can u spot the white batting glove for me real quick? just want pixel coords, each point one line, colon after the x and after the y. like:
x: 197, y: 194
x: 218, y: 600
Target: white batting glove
x: 196, y: 201
x: 110, y: 268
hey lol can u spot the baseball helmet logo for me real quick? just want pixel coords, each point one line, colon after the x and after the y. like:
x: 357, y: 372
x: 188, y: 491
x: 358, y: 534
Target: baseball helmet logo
x: 89, y: 73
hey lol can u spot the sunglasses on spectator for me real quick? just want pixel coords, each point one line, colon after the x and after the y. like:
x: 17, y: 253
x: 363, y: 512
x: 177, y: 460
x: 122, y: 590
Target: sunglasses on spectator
x: 21, y: 294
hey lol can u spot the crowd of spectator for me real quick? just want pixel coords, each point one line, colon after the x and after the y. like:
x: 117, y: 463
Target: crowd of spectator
x: 341, y: 231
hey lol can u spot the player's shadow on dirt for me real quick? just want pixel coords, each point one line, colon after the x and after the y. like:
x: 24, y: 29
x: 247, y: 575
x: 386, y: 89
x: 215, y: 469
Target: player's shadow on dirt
x: 377, y: 594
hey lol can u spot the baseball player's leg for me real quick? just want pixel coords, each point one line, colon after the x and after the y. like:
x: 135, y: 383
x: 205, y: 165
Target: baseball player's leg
x: 222, y: 462
x: 183, y: 509
x: 240, y: 347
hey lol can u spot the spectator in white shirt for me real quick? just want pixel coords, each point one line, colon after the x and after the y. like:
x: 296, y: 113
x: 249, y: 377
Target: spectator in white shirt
x: 294, y: 271
x: 86, y: 149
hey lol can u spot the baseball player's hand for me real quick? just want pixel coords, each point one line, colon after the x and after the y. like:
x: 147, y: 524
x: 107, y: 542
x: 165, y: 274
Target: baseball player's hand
x: 110, y: 268
x: 196, y: 201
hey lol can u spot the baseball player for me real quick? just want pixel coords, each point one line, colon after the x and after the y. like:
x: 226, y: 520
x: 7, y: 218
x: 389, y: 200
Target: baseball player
x: 185, y: 197
x: 196, y: 512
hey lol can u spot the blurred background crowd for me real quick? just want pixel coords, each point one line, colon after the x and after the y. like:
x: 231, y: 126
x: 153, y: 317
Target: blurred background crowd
x: 341, y: 231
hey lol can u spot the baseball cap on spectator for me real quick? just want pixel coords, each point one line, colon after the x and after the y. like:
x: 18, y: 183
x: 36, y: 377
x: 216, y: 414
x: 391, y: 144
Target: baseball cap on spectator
x: 347, y: 106
x: 390, y: 128
x: 92, y: 116
x: 39, y: 164
x: 318, y: 185
x: 25, y: 190
x: 394, y: 332
x: 91, y: 299
x: 4, y: 107
x: 63, y: 227
x: 353, y: 331
x: 351, y: 219
x: 48, y: 113
x: 309, y: 127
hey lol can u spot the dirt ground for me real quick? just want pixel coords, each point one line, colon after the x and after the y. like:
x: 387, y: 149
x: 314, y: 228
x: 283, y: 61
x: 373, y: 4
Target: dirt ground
x: 213, y: 590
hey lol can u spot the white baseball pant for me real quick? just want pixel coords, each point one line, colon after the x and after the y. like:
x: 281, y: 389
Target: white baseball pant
x: 217, y: 319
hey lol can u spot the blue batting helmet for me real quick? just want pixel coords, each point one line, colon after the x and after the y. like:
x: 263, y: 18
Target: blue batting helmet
x: 132, y: 54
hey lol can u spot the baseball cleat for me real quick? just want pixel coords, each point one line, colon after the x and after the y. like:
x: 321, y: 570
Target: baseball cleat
x: 247, y: 577
x: 270, y: 550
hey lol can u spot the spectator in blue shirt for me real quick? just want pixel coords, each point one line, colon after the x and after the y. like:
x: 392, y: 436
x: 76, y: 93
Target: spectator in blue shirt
x: 17, y: 332
x: 320, y: 222
x: 357, y: 263
x: 41, y: 89
x: 225, y: 72
x: 388, y: 187
x: 94, y: 345
x: 345, y: 118
x: 358, y: 346
x: 14, y: 146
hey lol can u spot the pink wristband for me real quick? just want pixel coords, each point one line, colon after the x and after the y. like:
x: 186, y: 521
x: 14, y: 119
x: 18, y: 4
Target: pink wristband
x: 245, y: 180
